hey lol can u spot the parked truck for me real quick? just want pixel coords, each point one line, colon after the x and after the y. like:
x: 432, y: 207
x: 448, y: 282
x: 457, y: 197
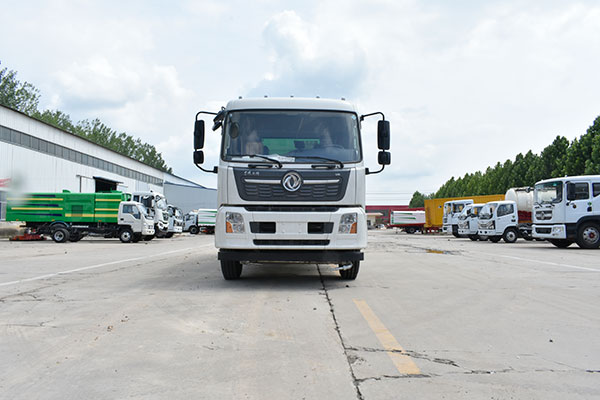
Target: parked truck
x: 467, y: 222
x: 567, y: 210
x: 202, y: 220
x: 452, y: 210
x: 434, y: 209
x: 71, y: 216
x: 408, y: 221
x: 175, y: 221
x: 156, y: 206
x: 509, y: 219
x: 291, y: 182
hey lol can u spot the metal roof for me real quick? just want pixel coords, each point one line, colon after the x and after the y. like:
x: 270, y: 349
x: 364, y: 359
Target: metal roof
x: 302, y: 103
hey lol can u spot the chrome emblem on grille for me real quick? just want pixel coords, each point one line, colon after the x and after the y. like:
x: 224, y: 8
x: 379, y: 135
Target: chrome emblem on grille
x: 291, y: 181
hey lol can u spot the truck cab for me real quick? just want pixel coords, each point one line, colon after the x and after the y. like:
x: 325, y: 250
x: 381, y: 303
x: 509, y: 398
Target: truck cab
x: 156, y: 206
x: 452, y: 210
x: 291, y: 182
x: 134, y: 222
x: 499, y: 220
x: 567, y: 210
x: 467, y: 221
x: 175, y: 221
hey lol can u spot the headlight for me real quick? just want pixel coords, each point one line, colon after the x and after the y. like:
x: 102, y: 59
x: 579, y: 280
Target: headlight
x: 234, y: 222
x: 348, y: 223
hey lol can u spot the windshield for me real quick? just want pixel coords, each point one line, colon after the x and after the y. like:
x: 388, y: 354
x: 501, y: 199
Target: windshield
x: 447, y: 208
x: 161, y: 203
x: 300, y: 135
x: 550, y: 192
x: 476, y: 210
x: 487, y: 211
x: 464, y: 213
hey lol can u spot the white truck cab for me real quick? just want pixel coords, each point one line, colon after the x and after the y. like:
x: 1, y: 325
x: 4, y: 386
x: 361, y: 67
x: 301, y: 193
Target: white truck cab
x: 452, y: 210
x: 467, y: 221
x: 291, y: 182
x: 499, y: 220
x: 156, y: 205
x: 567, y: 210
x: 134, y: 222
x: 175, y: 221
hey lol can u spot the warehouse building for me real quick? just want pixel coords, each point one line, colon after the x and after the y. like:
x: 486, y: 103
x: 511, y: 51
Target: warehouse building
x: 37, y: 157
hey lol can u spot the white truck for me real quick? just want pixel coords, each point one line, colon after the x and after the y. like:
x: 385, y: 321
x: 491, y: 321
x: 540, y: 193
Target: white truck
x: 409, y: 221
x: 567, y: 210
x: 291, y: 182
x: 452, y: 210
x: 175, y: 221
x: 134, y: 223
x: 467, y: 221
x: 156, y: 206
x: 202, y: 220
x: 499, y: 220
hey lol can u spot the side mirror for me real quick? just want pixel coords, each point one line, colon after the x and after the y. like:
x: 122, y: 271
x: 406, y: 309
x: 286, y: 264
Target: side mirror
x: 199, y: 135
x: 198, y: 157
x: 383, y: 135
x: 571, y: 195
x: 384, y: 158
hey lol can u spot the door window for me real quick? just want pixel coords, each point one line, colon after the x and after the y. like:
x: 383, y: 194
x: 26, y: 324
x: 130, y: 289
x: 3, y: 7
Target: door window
x: 596, y: 189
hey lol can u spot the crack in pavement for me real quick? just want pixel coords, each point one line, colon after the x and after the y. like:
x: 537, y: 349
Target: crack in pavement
x: 409, y: 353
x: 355, y: 381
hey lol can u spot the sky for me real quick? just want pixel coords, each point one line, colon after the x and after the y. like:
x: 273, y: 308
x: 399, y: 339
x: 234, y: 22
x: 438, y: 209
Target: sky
x: 465, y: 84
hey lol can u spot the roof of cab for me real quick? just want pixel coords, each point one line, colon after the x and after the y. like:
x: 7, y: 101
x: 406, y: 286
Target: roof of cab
x: 583, y: 178
x: 298, y: 103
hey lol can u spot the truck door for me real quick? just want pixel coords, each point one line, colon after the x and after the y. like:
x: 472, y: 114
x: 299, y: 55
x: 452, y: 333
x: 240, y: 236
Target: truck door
x: 578, y: 201
x: 131, y: 216
x: 506, y: 216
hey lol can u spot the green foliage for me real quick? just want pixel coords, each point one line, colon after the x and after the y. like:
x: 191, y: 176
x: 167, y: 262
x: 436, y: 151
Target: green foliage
x: 418, y: 199
x: 580, y: 157
x: 24, y: 97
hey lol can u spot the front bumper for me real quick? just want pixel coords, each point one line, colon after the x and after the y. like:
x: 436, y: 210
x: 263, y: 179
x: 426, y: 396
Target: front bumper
x: 148, y: 230
x: 291, y: 230
x: 466, y: 231
x: 558, y: 231
x: 300, y: 256
x: 487, y: 232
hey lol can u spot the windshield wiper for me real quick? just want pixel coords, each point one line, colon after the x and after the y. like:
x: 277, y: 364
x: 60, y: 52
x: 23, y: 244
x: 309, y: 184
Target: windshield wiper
x: 274, y: 161
x: 330, y: 160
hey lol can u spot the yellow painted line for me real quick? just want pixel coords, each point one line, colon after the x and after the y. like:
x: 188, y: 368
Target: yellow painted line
x: 404, y: 364
x: 119, y: 200
x: 34, y: 198
x: 80, y: 215
x: 107, y: 209
x: 37, y: 208
x: 106, y: 215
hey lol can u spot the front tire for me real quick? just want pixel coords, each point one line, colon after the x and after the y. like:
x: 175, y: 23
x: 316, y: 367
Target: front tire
x: 169, y: 235
x: 60, y: 235
x: 350, y: 273
x: 194, y: 230
x: 148, y: 238
x: 126, y: 235
x: 588, y: 236
x: 561, y: 243
x: 231, y: 269
x: 473, y: 237
x: 510, y: 235
x: 495, y: 239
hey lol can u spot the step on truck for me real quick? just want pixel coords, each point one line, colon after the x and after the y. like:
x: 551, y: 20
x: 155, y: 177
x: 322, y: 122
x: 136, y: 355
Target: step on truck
x: 567, y: 210
x: 70, y: 216
x: 452, y: 210
x: 291, y: 182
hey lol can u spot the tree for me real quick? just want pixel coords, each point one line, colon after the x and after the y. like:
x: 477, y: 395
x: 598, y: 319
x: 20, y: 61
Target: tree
x: 21, y: 96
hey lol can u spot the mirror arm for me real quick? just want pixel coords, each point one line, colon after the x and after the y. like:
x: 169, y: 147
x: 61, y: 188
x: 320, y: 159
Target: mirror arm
x: 204, y: 112
x: 362, y: 117
x: 368, y: 172
x: 213, y: 171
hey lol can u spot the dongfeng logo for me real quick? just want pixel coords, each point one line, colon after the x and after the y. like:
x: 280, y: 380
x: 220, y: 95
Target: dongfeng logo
x: 291, y: 181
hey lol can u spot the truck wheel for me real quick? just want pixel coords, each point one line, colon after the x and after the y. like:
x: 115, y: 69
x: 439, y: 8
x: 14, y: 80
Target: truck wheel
x: 351, y: 273
x: 495, y: 239
x: 410, y: 230
x: 510, y: 235
x: 136, y: 237
x: 126, y: 235
x: 231, y: 269
x: 60, y: 235
x: 561, y: 243
x: 75, y: 237
x: 483, y: 238
x: 148, y: 238
x: 473, y: 237
x: 588, y: 236
x: 169, y: 235
x: 194, y: 230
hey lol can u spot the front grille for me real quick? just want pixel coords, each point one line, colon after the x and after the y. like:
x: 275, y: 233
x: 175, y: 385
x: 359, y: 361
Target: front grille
x: 543, y: 230
x: 265, y: 185
x: 291, y: 209
x: 291, y: 242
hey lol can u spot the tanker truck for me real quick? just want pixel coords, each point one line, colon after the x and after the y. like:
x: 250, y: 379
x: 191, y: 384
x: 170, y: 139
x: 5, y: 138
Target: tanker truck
x: 509, y: 219
x: 71, y: 216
